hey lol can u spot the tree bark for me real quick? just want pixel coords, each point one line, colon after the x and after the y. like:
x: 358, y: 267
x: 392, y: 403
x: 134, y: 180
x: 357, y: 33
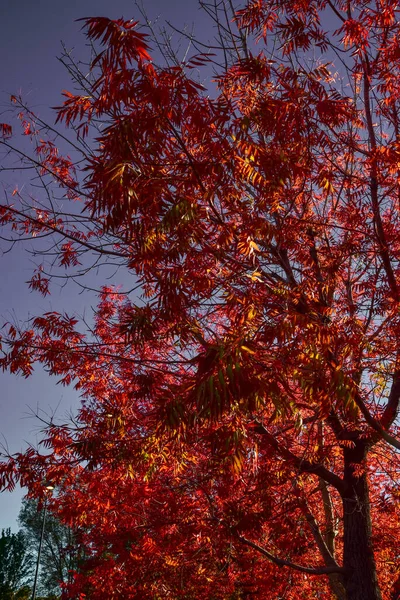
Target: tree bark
x: 335, y: 580
x: 358, y: 558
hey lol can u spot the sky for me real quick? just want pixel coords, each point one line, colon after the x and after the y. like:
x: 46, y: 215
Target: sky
x: 31, y: 33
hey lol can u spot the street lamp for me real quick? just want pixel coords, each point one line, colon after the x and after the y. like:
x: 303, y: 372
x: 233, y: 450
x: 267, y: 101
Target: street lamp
x: 48, y: 488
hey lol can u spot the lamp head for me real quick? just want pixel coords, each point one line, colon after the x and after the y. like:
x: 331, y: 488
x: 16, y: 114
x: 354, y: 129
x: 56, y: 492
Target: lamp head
x: 47, y: 485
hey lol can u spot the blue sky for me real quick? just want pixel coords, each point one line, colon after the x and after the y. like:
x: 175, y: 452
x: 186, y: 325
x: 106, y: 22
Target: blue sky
x: 30, y: 41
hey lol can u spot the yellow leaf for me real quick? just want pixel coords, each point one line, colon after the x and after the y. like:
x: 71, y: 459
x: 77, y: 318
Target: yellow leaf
x: 247, y: 349
x: 253, y: 245
x: 252, y: 313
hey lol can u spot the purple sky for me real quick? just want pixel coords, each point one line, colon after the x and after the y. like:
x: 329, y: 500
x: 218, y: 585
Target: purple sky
x: 30, y: 41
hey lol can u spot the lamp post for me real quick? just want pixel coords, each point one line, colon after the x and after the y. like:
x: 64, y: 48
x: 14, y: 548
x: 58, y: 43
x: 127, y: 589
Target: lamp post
x: 48, y: 487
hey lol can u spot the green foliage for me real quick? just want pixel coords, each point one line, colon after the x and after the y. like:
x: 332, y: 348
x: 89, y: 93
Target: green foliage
x: 24, y: 593
x: 15, y: 566
x: 58, y: 553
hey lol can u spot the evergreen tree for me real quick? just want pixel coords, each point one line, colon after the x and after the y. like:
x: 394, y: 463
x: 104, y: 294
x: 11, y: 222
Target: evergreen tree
x: 15, y: 565
x: 58, y: 552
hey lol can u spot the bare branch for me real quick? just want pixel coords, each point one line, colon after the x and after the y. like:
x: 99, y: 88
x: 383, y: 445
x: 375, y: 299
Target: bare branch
x: 287, y: 563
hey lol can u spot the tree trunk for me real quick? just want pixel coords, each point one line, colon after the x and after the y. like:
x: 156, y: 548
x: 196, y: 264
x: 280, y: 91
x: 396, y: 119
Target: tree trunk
x: 361, y: 582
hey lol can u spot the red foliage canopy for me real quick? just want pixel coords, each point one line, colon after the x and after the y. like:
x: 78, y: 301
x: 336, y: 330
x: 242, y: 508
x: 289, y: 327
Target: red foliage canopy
x: 239, y: 404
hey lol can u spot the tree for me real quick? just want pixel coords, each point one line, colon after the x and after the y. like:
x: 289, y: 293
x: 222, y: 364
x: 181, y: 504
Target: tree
x: 240, y: 400
x: 15, y: 566
x: 58, y: 553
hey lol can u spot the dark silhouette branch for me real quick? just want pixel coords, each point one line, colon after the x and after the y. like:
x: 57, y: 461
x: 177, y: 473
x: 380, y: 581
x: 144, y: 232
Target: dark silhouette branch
x: 287, y: 563
x: 303, y: 465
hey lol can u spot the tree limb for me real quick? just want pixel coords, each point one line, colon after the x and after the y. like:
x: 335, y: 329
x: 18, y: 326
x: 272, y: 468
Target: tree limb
x: 390, y: 439
x: 303, y: 465
x: 287, y: 563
